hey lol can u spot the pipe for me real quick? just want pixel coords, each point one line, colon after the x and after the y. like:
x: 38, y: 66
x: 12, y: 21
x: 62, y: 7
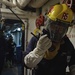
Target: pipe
x: 16, y: 15
x: 10, y: 4
x: 22, y: 3
x: 37, y: 3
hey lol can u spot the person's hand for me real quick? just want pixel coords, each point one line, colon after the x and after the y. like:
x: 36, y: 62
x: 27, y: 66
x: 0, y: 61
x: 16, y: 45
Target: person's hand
x: 44, y: 43
x: 35, y: 56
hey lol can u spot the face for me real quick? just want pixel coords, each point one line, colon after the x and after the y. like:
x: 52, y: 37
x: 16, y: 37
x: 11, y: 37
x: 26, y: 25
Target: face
x: 57, y: 30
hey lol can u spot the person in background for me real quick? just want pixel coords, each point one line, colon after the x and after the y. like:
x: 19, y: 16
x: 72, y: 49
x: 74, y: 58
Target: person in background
x: 3, y: 45
x: 10, y: 57
x: 37, y: 29
x: 53, y: 51
x: 39, y: 22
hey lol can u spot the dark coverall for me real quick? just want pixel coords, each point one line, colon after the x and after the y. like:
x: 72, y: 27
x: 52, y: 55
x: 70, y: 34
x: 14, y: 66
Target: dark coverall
x: 57, y: 65
x: 3, y: 49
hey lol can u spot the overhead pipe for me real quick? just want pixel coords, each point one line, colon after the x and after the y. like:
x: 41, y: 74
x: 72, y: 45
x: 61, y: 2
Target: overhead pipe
x: 37, y: 3
x: 22, y: 3
x: 32, y: 3
x: 8, y: 3
x: 19, y: 3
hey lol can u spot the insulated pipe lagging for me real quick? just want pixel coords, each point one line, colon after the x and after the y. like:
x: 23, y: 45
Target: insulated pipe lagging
x: 37, y: 3
x: 10, y: 4
x: 22, y: 3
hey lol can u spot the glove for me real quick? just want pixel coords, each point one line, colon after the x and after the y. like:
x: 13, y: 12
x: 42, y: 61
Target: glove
x: 44, y: 43
x: 35, y: 56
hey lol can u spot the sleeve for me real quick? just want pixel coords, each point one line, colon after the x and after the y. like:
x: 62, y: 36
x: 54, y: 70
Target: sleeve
x: 35, y: 56
x: 31, y: 45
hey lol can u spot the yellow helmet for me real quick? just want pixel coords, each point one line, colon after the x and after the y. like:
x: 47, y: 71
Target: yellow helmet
x: 61, y: 12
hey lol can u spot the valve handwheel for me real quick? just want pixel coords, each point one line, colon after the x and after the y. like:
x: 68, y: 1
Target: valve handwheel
x: 70, y: 3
